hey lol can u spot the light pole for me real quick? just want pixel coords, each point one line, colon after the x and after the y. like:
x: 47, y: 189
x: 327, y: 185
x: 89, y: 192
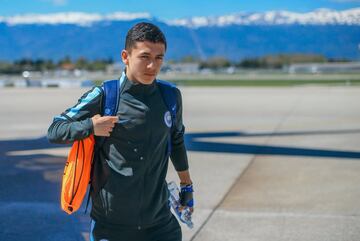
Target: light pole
x: 26, y: 75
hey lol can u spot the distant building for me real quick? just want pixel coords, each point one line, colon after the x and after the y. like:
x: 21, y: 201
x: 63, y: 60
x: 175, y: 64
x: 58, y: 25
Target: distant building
x: 67, y: 66
x: 186, y: 68
x: 323, y: 68
x: 115, y: 68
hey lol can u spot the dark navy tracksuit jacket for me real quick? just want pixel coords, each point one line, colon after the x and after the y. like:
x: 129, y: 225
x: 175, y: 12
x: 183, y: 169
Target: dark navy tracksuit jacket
x: 133, y: 159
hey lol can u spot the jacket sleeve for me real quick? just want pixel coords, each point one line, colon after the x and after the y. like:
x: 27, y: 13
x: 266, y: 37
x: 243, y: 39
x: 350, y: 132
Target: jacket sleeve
x: 178, y: 150
x: 75, y: 123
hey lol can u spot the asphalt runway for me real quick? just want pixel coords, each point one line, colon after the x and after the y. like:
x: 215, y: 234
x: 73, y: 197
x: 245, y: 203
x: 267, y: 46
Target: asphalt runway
x: 269, y: 164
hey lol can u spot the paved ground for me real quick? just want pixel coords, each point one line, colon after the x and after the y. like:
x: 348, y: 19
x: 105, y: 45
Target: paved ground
x: 269, y: 164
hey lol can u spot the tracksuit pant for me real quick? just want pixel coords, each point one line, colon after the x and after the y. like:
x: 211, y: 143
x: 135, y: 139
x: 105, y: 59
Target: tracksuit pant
x: 170, y: 231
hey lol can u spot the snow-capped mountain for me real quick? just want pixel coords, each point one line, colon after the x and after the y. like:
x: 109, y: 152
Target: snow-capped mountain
x: 334, y: 34
x: 317, y: 17
x: 77, y: 18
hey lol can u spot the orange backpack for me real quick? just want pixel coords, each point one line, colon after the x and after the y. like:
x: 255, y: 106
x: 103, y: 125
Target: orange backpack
x: 77, y: 172
x: 78, y: 167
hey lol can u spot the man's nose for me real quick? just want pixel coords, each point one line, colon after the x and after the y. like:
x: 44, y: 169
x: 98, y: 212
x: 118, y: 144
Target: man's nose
x: 151, y: 64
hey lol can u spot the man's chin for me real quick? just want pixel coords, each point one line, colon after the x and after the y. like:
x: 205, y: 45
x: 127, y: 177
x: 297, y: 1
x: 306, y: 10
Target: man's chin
x: 147, y: 80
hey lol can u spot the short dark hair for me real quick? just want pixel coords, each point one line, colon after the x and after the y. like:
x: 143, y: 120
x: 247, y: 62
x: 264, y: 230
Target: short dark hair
x: 144, y: 32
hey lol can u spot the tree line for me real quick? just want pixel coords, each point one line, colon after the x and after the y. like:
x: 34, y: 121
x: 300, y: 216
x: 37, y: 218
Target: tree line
x: 18, y: 66
x: 267, y: 62
x: 263, y: 62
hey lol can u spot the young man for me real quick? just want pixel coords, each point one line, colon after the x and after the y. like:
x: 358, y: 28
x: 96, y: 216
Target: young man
x: 130, y: 197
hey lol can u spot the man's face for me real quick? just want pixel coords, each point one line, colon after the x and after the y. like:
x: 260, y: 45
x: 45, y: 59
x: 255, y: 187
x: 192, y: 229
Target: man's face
x: 143, y: 61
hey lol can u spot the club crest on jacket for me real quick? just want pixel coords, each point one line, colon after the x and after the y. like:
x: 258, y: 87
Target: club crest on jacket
x: 167, y: 119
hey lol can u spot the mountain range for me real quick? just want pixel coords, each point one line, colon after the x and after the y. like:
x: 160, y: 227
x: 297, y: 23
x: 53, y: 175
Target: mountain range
x: 334, y: 34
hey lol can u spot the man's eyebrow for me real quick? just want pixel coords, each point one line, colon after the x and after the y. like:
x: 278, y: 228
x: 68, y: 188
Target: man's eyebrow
x: 147, y: 53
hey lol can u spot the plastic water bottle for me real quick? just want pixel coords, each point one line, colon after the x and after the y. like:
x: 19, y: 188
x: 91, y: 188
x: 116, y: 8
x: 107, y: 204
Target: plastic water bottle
x: 185, y: 214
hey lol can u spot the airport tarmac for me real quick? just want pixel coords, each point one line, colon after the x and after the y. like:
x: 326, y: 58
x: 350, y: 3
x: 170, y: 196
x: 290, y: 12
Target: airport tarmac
x: 268, y: 164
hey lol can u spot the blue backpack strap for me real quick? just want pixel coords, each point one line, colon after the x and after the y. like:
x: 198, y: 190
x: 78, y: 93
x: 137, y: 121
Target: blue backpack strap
x: 169, y: 96
x: 111, y: 89
x: 112, y: 94
x: 110, y: 107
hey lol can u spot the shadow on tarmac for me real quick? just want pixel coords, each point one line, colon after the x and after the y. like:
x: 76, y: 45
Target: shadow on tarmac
x: 29, y: 196
x: 194, y: 142
x: 30, y: 184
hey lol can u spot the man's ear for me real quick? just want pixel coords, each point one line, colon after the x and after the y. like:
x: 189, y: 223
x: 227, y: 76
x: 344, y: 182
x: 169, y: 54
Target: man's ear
x: 125, y: 57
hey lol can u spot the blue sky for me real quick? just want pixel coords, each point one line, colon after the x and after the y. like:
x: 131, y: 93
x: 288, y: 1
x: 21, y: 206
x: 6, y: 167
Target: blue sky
x: 169, y: 9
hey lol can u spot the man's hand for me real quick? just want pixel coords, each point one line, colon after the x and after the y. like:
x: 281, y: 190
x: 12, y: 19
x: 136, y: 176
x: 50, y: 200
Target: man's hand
x: 186, y: 194
x: 103, y: 126
x: 186, y: 197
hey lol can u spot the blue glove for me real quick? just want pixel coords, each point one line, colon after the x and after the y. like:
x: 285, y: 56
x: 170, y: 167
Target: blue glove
x: 186, y: 195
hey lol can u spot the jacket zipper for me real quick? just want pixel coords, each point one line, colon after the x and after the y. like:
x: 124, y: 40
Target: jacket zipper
x: 143, y: 176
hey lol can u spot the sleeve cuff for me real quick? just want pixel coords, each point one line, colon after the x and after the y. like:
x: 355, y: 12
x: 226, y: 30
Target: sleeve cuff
x: 179, y: 159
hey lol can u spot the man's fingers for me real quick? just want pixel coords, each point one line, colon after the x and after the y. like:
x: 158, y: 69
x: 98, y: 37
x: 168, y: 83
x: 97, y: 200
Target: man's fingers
x: 115, y: 119
x: 106, y: 125
x: 103, y: 126
x: 111, y: 119
x: 105, y: 121
x: 181, y: 208
x: 107, y: 130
